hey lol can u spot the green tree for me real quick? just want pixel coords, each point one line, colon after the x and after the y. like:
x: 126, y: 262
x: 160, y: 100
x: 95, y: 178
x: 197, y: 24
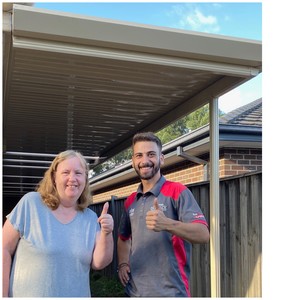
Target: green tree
x: 173, y: 131
x: 198, y: 118
x: 194, y: 120
x: 111, y: 163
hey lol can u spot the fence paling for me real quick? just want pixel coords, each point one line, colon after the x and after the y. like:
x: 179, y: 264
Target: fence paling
x: 240, y: 237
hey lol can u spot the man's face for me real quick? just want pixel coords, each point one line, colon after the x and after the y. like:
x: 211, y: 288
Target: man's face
x: 147, y: 160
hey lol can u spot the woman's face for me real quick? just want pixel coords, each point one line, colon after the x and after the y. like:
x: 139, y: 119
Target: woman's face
x: 70, y: 180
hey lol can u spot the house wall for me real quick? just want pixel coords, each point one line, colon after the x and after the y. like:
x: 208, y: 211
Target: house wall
x: 233, y: 161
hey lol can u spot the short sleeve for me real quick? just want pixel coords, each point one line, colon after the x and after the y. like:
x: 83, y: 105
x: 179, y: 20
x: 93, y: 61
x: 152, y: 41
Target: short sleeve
x: 125, y: 226
x: 188, y: 209
x: 20, y: 217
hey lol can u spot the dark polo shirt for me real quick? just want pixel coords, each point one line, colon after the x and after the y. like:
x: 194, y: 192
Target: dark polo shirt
x: 159, y: 261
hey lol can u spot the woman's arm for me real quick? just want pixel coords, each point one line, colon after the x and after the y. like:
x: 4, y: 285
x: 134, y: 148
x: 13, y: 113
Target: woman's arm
x: 10, y: 238
x: 104, y: 247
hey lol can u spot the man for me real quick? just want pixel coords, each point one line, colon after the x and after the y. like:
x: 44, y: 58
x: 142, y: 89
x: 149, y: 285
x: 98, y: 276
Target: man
x: 158, y: 225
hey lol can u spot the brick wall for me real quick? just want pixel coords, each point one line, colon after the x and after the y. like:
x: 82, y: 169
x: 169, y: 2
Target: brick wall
x: 239, y: 161
x: 232, y: 162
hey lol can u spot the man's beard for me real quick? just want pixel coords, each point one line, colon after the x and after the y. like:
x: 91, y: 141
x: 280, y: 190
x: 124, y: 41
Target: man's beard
x: 149, y: 176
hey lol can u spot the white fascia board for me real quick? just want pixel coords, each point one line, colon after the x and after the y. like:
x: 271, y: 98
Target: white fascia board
x: 77, y: 29
x: 123, y: 55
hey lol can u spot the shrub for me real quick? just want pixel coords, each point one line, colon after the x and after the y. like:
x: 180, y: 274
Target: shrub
x: 103, y: 286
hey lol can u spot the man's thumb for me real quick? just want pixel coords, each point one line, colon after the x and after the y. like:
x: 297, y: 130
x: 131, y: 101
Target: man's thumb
x: 105, y: 208
x: 155, y: 204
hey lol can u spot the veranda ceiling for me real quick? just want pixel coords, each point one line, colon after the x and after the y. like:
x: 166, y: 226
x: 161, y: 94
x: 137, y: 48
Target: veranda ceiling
x: 90, y: 84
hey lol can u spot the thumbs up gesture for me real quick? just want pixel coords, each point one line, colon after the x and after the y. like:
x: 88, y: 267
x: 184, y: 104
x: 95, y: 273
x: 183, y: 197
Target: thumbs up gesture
x: 106, y: 221
x: 156, y: 219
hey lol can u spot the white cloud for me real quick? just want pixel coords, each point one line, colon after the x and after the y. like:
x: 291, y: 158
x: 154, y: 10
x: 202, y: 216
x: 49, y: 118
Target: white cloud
x: 203, y: 19
x: 192, y: 18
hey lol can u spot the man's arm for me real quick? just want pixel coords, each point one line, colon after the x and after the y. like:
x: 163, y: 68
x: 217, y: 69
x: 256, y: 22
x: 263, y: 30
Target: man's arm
x: 195, y: 233
x: 192, y: 232
x: 123, y: 259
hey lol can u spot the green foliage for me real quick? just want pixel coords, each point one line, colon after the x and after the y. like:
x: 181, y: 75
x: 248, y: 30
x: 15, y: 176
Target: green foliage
x: 194, y: 120
x: 115, y: 161
x: 198, y: 118
x: 102, y: 286
x: 173, y: 131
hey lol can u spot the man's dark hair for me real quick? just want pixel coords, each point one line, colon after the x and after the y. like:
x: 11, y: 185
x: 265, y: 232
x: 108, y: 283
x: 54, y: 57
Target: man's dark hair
x: 147, y: 137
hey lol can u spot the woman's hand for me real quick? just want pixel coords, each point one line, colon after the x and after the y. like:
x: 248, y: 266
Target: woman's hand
x: 106, y: 221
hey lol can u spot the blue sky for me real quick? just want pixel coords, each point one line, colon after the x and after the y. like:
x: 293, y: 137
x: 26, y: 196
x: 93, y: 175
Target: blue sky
x: 237, y: 19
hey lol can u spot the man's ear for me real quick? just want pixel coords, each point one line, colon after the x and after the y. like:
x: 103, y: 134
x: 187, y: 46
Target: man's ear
x: 162, y: 159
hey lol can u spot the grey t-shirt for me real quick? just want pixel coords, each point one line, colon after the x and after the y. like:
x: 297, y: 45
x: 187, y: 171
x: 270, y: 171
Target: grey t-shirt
x: 52, y: 259
x: 159, y: 261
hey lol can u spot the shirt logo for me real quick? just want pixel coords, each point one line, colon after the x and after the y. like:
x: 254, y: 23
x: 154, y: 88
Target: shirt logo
x: 162, y: 207
x: 198, y: 216
x: 131, y: 212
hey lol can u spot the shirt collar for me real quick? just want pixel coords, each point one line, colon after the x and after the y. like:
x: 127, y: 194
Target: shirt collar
x: 155, y: 189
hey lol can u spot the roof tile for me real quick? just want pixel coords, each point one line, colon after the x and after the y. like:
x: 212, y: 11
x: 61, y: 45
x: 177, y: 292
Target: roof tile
x: 247, y: 115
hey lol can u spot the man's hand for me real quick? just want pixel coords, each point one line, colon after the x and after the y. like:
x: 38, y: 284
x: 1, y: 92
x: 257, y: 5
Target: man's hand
x: 156, y: 219
x: 106, y: 221
x: 124, y: 271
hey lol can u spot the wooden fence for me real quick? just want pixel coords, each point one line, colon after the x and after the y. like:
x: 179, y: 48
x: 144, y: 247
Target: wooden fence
x: 240, y: 237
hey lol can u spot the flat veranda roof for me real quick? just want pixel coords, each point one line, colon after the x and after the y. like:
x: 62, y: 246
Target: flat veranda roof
x: 89, y: 84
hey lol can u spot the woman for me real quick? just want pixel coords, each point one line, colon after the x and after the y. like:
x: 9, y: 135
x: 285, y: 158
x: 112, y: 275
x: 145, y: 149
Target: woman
x: 51, y: 239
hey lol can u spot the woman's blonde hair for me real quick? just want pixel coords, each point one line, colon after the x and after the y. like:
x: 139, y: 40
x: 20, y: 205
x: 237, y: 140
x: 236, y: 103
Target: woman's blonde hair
x: 47, y: 187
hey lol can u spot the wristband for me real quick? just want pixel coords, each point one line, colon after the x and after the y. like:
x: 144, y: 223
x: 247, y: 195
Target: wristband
x: 120, y: 266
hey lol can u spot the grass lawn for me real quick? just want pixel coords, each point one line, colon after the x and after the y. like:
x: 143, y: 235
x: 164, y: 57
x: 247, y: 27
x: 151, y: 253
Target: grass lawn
x: 102, y: 286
